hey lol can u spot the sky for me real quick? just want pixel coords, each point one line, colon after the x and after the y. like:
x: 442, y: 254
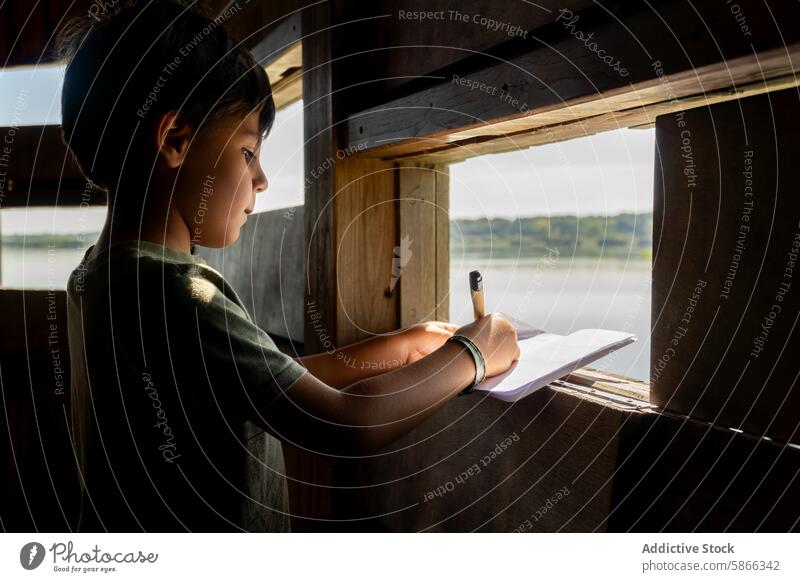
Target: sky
x: 606, y: 173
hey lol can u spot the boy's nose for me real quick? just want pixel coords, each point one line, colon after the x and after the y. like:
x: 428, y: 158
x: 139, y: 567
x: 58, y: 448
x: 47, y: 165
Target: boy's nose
x: 260, y: 183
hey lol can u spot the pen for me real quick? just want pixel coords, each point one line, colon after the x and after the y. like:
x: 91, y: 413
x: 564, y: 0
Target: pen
x: 476, y: 291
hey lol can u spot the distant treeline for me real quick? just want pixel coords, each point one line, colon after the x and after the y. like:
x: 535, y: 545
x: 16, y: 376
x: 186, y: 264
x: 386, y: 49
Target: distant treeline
x: 619, y: 236
x: 44, y: 240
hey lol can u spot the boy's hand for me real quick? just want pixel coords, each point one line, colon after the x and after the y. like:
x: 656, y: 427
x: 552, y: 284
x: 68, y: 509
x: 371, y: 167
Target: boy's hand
x: 424, y: 338
x: 496, y: 338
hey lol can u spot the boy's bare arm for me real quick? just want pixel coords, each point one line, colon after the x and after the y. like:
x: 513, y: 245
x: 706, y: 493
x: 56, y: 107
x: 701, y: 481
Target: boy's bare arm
x: 347, y: 365
x: 344, y: 366
x: 369, y: 414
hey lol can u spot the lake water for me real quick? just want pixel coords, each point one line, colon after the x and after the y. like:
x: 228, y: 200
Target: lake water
x: 558, y: 294
x: 38, y: 268
x: 562, y: 295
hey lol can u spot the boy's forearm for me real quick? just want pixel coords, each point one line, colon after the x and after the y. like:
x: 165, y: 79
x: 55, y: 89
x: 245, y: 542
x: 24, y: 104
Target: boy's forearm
x: 355, y: 362
x: 399, y: 400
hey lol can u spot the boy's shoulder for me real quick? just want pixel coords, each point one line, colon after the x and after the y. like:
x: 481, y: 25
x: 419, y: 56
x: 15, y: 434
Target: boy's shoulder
x: 145, y: 269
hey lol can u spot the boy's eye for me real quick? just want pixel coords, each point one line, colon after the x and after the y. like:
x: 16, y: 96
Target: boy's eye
x: 248, y: 155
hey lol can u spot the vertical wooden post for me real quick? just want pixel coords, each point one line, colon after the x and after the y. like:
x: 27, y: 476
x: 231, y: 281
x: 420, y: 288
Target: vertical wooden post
x: 726, y: 265
x: 364, y: 240
x: 320, y: 142
x: 422, y: 258
x: 350, y: 234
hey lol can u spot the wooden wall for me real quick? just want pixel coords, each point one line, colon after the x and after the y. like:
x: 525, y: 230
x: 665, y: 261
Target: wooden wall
x: 266, y: 268
x: 39, y: 489
x: 726, y: 262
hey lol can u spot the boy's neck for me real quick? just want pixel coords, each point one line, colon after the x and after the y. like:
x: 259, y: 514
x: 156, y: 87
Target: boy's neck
x: 157, y: 225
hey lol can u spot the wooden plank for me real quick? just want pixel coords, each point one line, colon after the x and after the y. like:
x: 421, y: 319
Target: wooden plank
x: 70, y: 192
x: 34, y: 153
x: 667, y: 54
x: 637, y: 117
x: 25, y: 321
x: 286, y: 78
x: 386, y: 48
x: 349, y: 232
x: 34, y: 158
x: 442, y: 242
x: 724, y: 306
x: 267, y: 28
x: 447, y: 474
x: 679, y: 475
x: 288, y: 90
x: 617, y: 470
x: 274, y: 42
x: 39, y: 491
x: 304, y: 470
x: 364, y: 243
x: 265, y: 267
x: 414, y: 261
x: 320, y: 143
x: 422, y: 254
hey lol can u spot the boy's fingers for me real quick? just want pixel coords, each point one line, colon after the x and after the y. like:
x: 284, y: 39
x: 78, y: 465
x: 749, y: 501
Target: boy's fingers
x: 444, y: 325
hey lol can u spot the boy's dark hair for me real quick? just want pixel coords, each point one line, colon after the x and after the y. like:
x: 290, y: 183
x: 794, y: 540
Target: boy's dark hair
x: 130, y: 62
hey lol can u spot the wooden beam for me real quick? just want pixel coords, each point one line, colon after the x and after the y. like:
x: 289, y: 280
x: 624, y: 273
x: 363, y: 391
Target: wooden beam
x: 270, y: 45
x: 272, y: 32
x: 350, y: 235
x: 638, y: 117
x: 386, y: 50
x: 320, y: 143
x: 37, y: 169
x: 286, y: 77
x: 667, y: 54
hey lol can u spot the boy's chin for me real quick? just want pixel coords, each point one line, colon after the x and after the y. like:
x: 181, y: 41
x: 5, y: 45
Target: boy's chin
x: 220, y: 242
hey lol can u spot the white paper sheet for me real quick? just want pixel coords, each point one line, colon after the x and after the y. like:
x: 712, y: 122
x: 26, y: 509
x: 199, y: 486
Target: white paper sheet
x: 545, y: 357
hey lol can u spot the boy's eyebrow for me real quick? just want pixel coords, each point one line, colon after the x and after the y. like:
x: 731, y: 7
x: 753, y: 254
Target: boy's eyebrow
x: 254, y: 134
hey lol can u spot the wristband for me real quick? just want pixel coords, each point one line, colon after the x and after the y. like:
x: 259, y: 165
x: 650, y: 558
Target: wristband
x: 477, y: 356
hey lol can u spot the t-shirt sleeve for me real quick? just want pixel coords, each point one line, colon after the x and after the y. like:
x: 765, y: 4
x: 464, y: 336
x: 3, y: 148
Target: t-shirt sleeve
x: 231, y: 355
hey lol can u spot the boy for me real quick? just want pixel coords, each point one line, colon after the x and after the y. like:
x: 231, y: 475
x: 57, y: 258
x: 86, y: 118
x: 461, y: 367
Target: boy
x: 163, y: 111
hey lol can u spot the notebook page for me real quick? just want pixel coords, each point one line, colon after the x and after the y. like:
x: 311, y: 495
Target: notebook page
x: 547, y: 357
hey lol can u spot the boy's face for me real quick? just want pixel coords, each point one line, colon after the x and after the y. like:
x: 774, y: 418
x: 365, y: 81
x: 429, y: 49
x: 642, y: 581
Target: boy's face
x: 219, y: 179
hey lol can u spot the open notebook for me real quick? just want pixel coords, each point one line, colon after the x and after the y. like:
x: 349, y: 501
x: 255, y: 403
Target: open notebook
x: 545, y: 357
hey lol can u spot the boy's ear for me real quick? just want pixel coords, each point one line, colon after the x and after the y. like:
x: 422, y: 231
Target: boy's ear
x: 173, y: 138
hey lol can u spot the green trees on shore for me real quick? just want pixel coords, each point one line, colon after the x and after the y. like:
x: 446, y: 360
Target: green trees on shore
x: 620, y: 236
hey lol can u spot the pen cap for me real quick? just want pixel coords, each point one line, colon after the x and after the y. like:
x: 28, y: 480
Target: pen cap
x: 475, y: 281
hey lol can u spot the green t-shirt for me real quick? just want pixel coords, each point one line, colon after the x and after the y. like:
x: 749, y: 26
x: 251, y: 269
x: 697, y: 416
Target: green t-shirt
x: 168, y: 370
